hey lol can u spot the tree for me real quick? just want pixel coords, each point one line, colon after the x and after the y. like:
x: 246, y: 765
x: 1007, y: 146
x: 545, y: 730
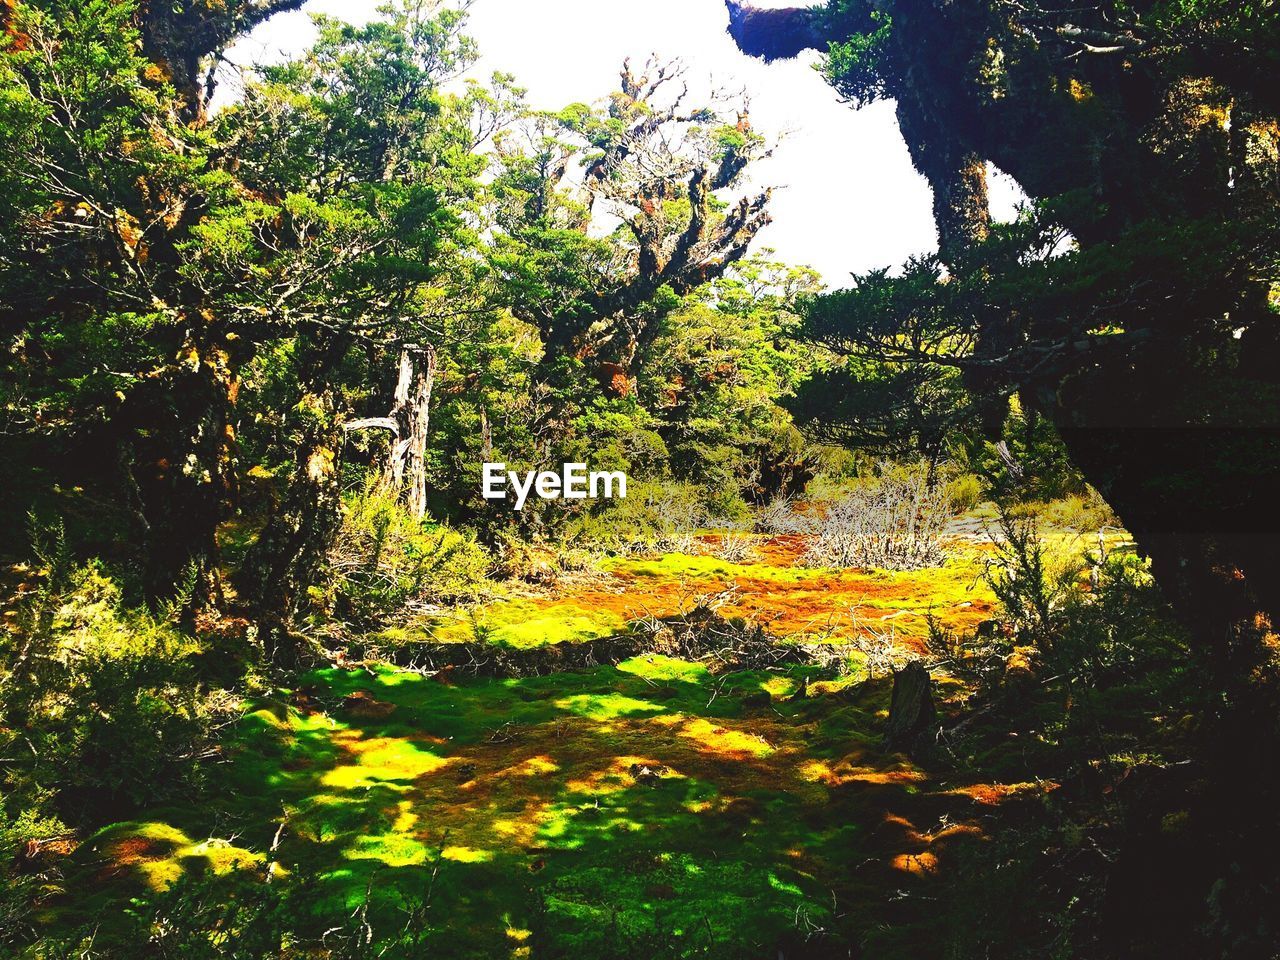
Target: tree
x: 105, y: 183
x: 153, y: 252
x: 716, y: 373
x: 1147, y: 132
x: 360, y: 134
x: 650, y: 163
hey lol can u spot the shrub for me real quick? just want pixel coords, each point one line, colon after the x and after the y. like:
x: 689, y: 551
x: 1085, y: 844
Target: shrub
x: 99, y: 705
x: 736, y: 546
x: 654, y: 518
x: 1030, y: 584
x: 385, y: 561
x: 964, y: 492
x: 725, y: 507
x: 1083, y: 513
x: 537, y: 562
x: 22, y: 839
x: 780, y: 517
x: 894, y: 522
x: 1089, y: 612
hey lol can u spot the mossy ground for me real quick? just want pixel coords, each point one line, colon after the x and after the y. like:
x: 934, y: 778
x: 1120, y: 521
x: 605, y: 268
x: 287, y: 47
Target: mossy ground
x: 775, y: 589
x: 598, y: 809
x: 647, y: 809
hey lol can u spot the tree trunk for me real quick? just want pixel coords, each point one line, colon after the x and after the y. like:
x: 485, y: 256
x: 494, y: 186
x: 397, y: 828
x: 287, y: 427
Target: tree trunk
x: 1188, y: 460
x: 182, y: 457
x: 288, y: 555
x: 406, y: 468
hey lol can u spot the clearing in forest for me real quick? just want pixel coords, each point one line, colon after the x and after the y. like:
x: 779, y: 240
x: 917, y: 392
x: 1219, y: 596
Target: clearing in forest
x: 656, y: 806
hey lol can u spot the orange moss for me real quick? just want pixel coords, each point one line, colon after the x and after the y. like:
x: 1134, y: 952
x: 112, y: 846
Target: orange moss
x: 993, y: 794
x: 919, y: 864
x: 789, y: 602
x: 132, y: 850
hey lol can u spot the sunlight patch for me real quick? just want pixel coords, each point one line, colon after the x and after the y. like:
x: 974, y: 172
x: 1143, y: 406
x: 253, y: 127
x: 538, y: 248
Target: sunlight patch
x: 383, y: 759
x: 724, y: 741
x: 606, y: 706
x: 655, y: 666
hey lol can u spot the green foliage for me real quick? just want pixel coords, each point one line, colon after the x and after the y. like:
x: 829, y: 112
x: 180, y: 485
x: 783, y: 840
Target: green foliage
x: 716, y: 374
x: 1082, y: 512
x: 854, y: 64
x: 654, y: 518
x: 387, y: 563
x: 1032, y: 583
x: 964, y: 492
x: 205, y: 917
x: 206, y: 300
x: 99, y: 705
x: 1031, y: 462
x: 23, y: 833
x: 1091, y: 609
x: 82, y: 121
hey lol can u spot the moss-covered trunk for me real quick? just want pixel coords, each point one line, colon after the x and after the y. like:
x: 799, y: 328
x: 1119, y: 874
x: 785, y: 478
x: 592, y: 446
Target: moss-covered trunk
x: 289, y: 554
x: 178, y: 427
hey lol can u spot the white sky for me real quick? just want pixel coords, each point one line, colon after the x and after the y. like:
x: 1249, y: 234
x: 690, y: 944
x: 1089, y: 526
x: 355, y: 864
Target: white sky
x: 846, y: 197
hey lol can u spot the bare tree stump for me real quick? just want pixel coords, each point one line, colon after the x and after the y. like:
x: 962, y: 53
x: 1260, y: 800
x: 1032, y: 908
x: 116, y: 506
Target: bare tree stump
x: 912, y: 712
x: 405, y: 470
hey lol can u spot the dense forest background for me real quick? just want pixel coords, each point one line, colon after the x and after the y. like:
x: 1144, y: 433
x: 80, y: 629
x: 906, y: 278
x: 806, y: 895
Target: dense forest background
x: 939, y: 616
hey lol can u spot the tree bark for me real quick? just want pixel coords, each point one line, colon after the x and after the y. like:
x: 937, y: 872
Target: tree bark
x: 178, y: 428
x: 405, y: 472
x: 1193, y: 481
x: 290, y: 551
x: 912, y: 713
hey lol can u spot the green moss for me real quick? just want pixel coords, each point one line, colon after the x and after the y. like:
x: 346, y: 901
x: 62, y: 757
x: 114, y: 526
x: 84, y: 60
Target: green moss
x: 606, y: 706
x: 656, y: 667
x: 393, y: 850
x: 387, y: 760
x: 156, y: 854
x: 629, y: 811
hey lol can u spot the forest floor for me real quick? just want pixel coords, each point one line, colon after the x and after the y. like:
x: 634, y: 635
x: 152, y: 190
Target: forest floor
x: 655, y: 807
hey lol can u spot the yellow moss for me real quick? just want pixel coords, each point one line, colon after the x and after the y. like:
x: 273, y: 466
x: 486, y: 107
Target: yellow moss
x: 461, y: 854
x: 526, y: 623
x: 656, y: 667
x: 780, y: 687
x: 270, y: 719
x: 538, y: 766
x: 723, y: 741
x: 161, y: 853
x: 405, y: 817
x: 392, y: 849
x: 815, y: 771
x: 380, y: 760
